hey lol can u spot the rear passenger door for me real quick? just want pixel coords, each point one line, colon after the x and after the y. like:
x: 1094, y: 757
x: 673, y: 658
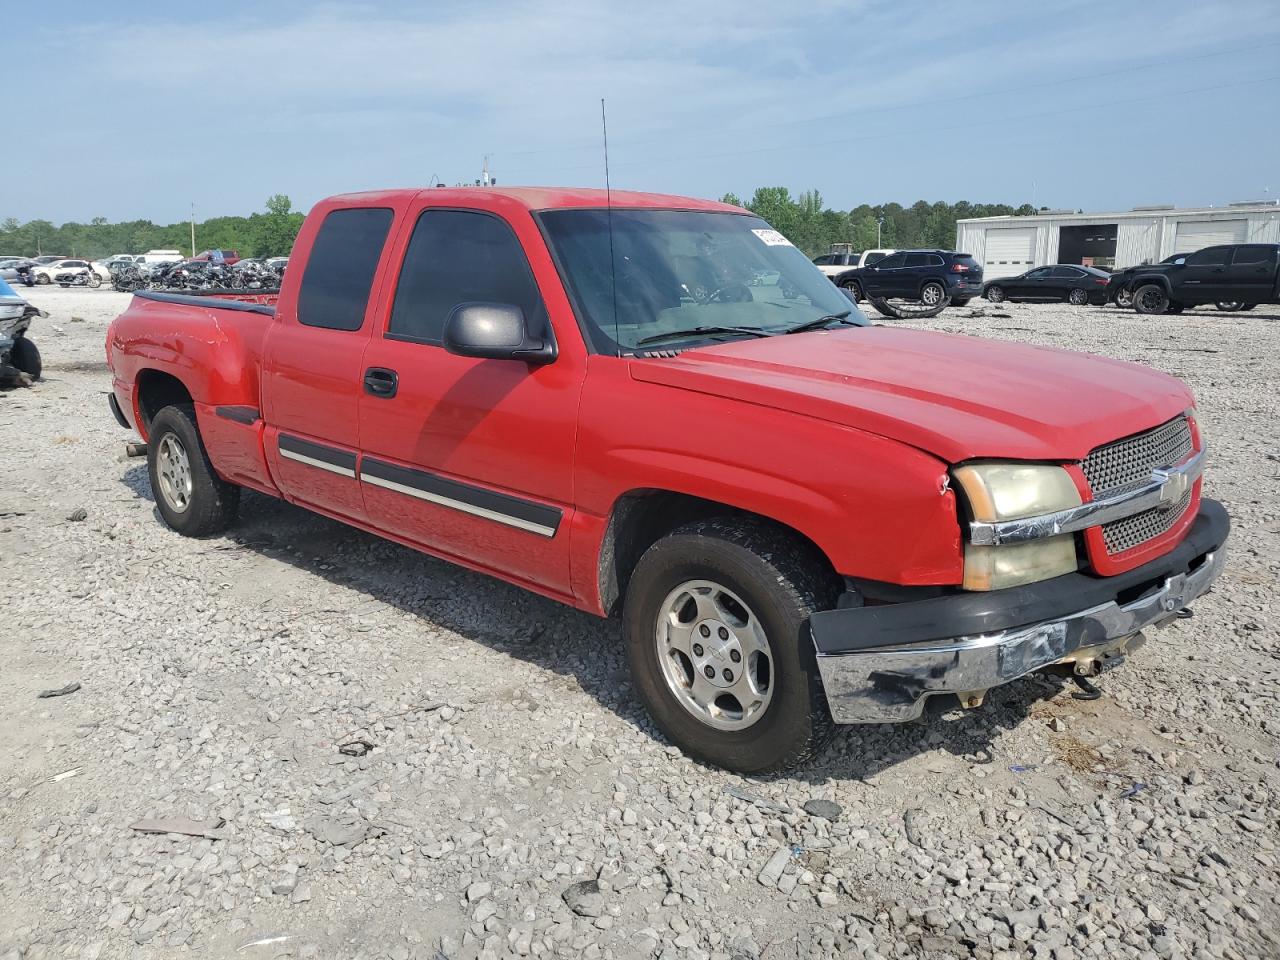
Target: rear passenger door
x: 1251, y: 275
x: 313, y: 355
x: 472, y: 458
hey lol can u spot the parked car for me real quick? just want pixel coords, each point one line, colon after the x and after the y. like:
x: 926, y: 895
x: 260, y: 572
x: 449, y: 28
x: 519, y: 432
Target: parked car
x: 1237, y: 275
x: 798, y: 517
x: 9, y: 267
x: 161, y: 256
x: 45, y: 272
x: 930, y: 276
x: 834, y: 264
x: 1063, y: 281
x: 45, y: 259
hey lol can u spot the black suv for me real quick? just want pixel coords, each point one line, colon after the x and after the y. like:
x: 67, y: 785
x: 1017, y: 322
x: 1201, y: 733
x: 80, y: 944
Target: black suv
x: 929, y: 276
x: 1235, y: 274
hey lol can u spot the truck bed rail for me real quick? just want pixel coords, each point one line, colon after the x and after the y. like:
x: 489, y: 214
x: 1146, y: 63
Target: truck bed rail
x: 263, y: 303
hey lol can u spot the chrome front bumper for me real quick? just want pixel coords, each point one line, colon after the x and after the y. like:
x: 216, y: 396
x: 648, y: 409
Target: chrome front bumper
x: 891, y: 684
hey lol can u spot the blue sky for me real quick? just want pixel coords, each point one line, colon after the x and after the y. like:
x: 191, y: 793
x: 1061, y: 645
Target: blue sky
x: 1093, y: 105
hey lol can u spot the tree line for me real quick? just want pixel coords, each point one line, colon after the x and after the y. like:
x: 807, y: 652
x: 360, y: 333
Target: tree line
x: 267, y: 234
x: 803, y: 220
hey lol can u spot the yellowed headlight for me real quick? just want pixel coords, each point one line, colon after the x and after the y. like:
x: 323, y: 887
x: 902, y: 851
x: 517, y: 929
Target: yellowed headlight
x: 1011, y: 491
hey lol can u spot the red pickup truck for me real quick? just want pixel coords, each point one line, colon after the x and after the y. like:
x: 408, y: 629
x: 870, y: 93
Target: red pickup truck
x: 657, y: 408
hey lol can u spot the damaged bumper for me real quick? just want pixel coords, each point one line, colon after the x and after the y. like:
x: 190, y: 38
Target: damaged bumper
x: 879, y: 664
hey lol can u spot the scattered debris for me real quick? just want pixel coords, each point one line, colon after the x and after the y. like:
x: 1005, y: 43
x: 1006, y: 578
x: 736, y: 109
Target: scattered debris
x: 771, y: 872
x: 911, y: 826
x: 355, y: 748
x: 65, y: 774
x: 183, y: 826
x: 746, y: 796
x: 584, y: 898
x: 337, y: 832
x: 60, y: 692
x: 1132, y: 790
x: 78, y: 514
x: 826, y: 809
x: 1021, y: 767
x: 269, y: 940
x: 281, y: 819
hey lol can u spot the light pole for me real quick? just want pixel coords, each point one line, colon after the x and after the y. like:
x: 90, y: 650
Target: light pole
x: 193, y: 228
x: 879, y: 224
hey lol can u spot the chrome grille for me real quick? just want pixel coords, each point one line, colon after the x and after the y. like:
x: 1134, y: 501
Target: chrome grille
x: 1127, y: 464
x: 1122, y: 535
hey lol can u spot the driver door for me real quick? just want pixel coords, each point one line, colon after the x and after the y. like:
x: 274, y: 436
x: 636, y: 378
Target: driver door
x: 885, y: 277
x: 470, y: 458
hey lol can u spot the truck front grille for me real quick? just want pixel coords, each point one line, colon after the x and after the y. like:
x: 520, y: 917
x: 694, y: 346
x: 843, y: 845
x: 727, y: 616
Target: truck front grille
x: 1127, y: 464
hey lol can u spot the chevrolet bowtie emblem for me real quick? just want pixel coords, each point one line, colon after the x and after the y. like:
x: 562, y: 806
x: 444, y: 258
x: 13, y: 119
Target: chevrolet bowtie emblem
x: 1173, y: 486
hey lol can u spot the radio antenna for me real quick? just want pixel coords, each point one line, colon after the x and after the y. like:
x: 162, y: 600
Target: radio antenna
x: 608, y: 202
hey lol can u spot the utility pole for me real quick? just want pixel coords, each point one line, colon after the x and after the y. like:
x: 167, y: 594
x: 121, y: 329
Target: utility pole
x: 193, y: 228
x: 879, y: 224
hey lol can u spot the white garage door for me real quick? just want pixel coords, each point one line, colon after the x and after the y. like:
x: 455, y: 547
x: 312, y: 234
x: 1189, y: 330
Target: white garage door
x: 1010, y: 251
x: 1193, y: 235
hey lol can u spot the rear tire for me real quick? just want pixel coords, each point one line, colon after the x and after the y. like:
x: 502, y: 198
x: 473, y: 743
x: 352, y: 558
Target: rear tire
x: 1078, y: 298
x: 749, y: 578
x: 1229, y: 306
x: 26, y: 357
x: 1150, y: 298
x: 1124, y: 299
x: 191, y: 497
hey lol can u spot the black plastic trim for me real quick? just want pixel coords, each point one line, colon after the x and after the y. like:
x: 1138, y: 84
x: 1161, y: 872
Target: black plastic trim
x: 317, y: 451
x: 116, y: 412
x: 968, y: 614
x: 238, y: 414
x: 213, y: 302
x: 500, y: 503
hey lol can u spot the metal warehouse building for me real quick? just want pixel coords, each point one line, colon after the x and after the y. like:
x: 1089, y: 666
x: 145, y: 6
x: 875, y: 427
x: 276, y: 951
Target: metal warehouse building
x: 1007, y: 246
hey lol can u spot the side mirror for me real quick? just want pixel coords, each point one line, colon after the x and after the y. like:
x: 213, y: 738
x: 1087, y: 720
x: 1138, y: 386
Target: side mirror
x: 494, y: 331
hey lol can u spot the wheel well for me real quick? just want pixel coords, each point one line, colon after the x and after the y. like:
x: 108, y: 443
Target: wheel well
x: 157, y: 390
x: 643, y: 517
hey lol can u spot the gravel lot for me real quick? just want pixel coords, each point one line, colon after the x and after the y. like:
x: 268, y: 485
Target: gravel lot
x: 517, y: 802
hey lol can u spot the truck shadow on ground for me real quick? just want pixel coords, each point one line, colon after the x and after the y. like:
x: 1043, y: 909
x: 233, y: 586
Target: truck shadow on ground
x: 570, y: 643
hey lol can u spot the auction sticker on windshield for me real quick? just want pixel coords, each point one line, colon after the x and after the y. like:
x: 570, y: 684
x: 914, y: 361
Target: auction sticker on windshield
x: 773, y: 238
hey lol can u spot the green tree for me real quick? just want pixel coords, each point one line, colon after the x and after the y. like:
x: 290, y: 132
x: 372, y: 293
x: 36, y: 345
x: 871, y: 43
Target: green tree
x: 275, y: 231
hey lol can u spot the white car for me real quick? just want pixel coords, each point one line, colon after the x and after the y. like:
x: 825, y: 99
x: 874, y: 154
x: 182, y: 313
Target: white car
x: 833, y: 264
x: 45, y: 273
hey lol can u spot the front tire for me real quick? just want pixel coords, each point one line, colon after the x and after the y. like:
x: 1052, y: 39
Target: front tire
x: 1124, y: 299
x: 716, y: 617
x: 1150, y: 299
x: 856, y: 289
x: 191, y: 497
x: 26, y: 357
x: 995, y: 294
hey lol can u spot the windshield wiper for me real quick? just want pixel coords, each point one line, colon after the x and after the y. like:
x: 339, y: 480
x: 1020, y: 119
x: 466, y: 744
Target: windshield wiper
x: 698, y: 331
x: 821, y: 322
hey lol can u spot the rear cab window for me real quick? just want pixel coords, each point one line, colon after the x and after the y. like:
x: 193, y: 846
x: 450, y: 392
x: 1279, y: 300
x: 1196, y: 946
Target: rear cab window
x: 340, y: 269
x: 1253, y: 253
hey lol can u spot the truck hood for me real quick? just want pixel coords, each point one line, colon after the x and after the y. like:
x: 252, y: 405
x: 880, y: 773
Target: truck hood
x: 956, y: 397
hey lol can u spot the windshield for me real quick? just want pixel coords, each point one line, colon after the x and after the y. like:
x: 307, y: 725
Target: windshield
x: 679, y: 270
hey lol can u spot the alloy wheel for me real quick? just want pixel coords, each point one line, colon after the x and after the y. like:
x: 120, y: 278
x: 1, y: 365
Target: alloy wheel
x: 714, y: 654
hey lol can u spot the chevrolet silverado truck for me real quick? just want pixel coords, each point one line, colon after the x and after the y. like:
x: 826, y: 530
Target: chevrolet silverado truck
x: 1233, y: 276
x: 800, y: 518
